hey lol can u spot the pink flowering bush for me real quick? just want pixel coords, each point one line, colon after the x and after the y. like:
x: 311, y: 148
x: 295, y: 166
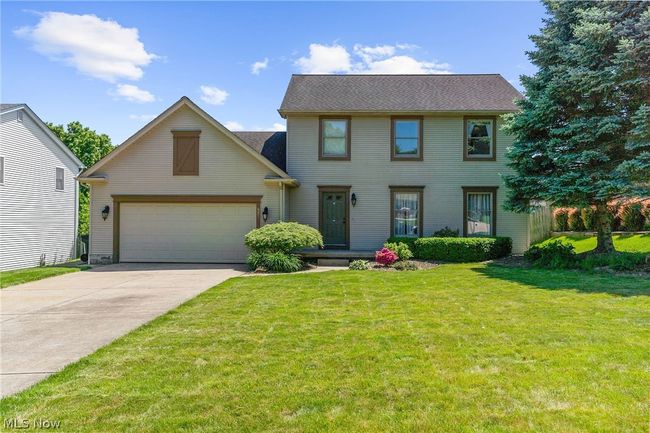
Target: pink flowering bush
x: 385, y: 257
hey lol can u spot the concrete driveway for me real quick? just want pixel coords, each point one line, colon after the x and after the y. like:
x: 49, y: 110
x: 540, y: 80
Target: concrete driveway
x: 47, y: 324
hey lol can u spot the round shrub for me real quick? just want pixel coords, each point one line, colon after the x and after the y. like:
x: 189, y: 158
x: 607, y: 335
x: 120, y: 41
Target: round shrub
x: 385, y: 257
x: 401, y: 249
x: 274, y: 262
x: 575, y: 221
x: 554, y: 254
x: 283, y: 237
x: 632, y: 217
x: 405, y: 266
x: 360, y: 265
x: 561, y: 219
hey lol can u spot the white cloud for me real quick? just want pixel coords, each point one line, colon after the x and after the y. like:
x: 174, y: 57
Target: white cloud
x: 213, y: 95
x: 278, y: 127
x: 324, y: 59
x: 99, y: 48
x: 142, y: 117
x: 259, y: 66
x: 234, y: 125
x: 365, y: 59
x: 133, y: 93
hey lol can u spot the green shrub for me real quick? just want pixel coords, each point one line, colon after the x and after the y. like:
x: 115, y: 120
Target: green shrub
x: 283, y: 237
x: 360, y: 265
x: 561, y: 219
x: 555, y: 254
x: 446, y: 233
x: 401, y: 249
x: 632, y: 217
x: 404, y: 240
x: 587, y: 216
x: 575, y: 221
x: 274, y: 261
x: 462, y: 249
x: 405, y: 266
x: 616, y: 261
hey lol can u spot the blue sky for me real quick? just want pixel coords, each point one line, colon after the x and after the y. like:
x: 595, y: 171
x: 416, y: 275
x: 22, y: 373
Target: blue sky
x: 115, y: 65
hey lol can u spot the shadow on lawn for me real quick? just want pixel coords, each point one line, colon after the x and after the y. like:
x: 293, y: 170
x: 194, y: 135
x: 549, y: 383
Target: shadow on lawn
x: 581, y: 281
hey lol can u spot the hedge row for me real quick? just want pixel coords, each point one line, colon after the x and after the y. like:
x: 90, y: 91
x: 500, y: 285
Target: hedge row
x: 457, y: 249
x: 630, y: 215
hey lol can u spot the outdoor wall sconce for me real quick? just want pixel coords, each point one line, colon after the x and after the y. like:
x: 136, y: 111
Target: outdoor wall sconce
x: 353, y: 199
x: 105, y: 212
x: 265, y: 213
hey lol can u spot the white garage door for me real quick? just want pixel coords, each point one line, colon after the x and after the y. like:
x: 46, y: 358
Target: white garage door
x: 185, y: 232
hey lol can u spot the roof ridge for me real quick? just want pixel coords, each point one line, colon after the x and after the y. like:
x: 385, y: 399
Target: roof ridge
x: 398, y: 75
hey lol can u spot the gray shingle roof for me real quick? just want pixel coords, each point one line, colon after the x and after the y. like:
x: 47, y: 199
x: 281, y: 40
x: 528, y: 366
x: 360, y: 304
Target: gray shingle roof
x: 270, y: 144
x: 4, y: 107
x: 398, y: 93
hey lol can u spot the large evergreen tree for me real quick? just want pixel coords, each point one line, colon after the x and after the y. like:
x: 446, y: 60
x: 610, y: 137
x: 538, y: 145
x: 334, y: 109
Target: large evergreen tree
x: 89, y: 147
x: 582, y: 137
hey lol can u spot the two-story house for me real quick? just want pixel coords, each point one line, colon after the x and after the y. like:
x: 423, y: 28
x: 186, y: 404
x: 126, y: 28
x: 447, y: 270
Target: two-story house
x: 364, y: 157
x: 39, y: 193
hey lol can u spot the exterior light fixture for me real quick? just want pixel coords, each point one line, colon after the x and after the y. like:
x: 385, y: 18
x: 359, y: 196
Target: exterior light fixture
x: 105, y: 212
x: 353, y: 199
x: 265, y: 213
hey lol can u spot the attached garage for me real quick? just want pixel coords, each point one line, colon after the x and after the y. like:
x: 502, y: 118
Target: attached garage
x: 184, y: 229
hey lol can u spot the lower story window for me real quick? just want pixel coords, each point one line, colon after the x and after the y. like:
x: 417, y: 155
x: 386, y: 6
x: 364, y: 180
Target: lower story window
x: 406, y: 211
x: 480, y: 208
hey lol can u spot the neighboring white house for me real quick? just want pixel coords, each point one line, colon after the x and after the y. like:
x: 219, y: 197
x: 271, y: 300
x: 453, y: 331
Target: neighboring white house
x: 39, y: 193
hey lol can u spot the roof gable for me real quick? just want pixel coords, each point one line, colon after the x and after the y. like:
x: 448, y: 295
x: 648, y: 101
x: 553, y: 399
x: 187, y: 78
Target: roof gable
x: 399, y: 93
x: 10, y: 108
x: 184, y: 102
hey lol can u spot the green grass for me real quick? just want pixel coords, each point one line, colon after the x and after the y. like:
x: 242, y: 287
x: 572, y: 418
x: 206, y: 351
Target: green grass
x: 458, y: 348
x: 625, y: 243
x: 20, y: 276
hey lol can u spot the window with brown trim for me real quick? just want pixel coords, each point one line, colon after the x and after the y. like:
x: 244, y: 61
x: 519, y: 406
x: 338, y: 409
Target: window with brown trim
x: 479, y: 211
x: 479, y: 138
x: 334, y: 141
x: 186, y: 153
x: 406, y: 211
x: 406, y: 138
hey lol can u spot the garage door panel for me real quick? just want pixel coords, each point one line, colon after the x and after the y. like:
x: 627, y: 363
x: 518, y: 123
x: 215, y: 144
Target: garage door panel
x: 185, y: 232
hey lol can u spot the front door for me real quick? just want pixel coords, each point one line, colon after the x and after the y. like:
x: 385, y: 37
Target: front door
x: 334, y: 218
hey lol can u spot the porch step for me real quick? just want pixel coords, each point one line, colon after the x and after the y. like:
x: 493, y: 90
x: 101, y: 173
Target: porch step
x: 333, y: 262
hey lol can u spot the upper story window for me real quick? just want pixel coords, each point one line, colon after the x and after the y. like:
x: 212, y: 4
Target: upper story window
x: 60, y: 179
x: 406, y: 138
x: 186, y: 153
x: 19, y: 116
x: 480, y: 139
x: 334, y: 141
x: 2, y: 170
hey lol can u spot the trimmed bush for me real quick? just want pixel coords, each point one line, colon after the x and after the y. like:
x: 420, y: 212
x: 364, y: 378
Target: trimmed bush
x: 555, y: 254
x: 561, y: 219
x: 274, y: 261
x: 462, y: 249
x: 405, y: 266
x: 575, y: 221
x: 632, y: 217
x: 446, y: 233
x: 283, y: 237
x: 587, y: 216
x: 401, y: 249
x: 360, y: 265
x: 385, y: 257
x: 404, y: 240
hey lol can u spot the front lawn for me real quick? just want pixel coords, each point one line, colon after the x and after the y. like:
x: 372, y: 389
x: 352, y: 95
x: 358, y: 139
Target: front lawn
x: 20, y: 276
x: 458, y: 348
x: 627, y: 243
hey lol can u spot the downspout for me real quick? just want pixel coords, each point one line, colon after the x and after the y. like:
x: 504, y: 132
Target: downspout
x: 282, y: 201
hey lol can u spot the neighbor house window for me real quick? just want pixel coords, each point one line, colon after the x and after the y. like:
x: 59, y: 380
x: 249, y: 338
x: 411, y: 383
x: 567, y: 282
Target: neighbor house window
x: 334, y: 141
x: 406, y: 211
x: 479, y: 204
x: 406, y: 138
x: 186, y: 153
x: 2, y: 169
x: 480, y: 138
x: 60, y: 184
